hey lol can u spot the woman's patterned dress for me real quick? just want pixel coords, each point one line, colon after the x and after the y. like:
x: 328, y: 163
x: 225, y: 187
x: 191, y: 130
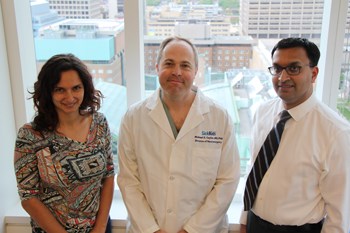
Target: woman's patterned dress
x: 66, y: 175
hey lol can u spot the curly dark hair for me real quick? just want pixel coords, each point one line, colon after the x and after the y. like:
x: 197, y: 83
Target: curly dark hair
x: 311, y: 48
x: 46, y: 117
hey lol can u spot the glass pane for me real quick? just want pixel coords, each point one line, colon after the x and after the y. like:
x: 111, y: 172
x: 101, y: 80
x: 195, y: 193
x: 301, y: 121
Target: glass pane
x: 343, y: 102
x: 94, y: 32
x: 234, y: 39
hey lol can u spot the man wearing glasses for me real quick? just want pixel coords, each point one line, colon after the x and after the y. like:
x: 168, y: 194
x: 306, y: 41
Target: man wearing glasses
x: 300, y: 176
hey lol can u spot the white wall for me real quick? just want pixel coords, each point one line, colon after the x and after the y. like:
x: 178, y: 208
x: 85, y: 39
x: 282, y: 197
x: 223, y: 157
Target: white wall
x: 17, y: 72
x: 16, y: 17
x: 8, y: 194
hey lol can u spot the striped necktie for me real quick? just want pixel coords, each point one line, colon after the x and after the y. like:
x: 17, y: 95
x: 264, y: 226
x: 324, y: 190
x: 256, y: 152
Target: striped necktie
x: 263, y: 160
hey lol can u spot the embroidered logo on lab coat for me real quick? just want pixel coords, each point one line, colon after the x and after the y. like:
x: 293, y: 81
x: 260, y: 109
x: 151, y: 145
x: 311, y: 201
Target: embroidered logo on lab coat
x: 208, y: 137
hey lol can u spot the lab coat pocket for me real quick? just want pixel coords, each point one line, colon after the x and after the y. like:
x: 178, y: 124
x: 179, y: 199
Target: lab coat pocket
x: 205, y: 162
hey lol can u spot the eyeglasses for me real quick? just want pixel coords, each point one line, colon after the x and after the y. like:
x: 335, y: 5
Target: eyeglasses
x: 291, y: 70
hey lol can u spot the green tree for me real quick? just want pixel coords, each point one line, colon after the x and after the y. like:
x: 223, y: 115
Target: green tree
x: 229, y: 4
x: 153, y: 2
x: 206, y: 2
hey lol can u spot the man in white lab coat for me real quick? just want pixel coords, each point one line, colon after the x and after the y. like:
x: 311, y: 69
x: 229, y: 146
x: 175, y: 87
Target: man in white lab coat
x: 178, y: 157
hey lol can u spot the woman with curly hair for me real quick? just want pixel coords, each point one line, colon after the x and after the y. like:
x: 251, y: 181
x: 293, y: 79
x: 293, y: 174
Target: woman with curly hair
x: 63, y: 159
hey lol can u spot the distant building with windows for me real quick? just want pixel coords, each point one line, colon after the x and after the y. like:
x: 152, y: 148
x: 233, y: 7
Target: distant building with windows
x: 166, y: 19
x: 77, y: 9
x: 42, y: 15
x: 273, y: 19
x: 120, y: 4
x: 98, y: 42
x: 215, y: 55
x: 219, y: 45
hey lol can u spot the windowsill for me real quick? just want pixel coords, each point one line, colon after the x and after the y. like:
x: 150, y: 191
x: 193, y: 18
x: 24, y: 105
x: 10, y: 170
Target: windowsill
x: 118, y: 213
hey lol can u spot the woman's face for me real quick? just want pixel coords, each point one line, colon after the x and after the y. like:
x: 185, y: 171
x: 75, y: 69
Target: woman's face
x: 68, y: 94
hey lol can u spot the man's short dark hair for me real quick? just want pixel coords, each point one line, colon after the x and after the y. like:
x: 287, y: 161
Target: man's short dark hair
x: 312, y: 51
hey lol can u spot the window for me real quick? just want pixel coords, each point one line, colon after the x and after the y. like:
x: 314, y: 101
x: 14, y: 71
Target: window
x: 99, y: 43
x: 245, y: 103
x: 134, y: 49
x: 343, y: 98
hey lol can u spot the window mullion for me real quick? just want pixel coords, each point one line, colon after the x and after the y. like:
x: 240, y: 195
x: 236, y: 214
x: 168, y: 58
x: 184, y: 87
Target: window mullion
x: 331, y: 53
x: 134, y: 51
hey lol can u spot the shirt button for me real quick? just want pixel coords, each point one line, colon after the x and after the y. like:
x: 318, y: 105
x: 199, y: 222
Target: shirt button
x: 172, y: 178
x: 169, y: 211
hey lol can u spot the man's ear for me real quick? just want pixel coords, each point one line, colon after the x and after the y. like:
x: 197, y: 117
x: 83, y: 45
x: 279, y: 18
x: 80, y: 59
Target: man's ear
x: 314, y: 73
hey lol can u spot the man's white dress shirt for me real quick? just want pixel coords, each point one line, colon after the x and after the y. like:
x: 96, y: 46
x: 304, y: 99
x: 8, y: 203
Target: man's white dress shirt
x: 310, y: 174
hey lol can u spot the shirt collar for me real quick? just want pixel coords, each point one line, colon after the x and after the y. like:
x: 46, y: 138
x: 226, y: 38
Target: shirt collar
x: 303, y: 109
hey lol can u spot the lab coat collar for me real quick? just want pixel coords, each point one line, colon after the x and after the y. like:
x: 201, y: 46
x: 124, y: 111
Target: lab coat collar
x: 195, y: 116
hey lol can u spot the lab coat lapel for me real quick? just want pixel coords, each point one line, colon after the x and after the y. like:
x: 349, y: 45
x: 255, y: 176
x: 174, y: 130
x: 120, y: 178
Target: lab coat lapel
x: 195, y: 116
x: 157, y: 113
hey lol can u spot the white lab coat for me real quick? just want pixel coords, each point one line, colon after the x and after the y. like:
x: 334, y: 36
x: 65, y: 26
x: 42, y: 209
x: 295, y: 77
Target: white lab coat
x: 187, y: 182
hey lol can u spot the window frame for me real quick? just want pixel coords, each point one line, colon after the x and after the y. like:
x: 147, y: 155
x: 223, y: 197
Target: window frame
x: 327, y: 84
x: 20, y: 55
